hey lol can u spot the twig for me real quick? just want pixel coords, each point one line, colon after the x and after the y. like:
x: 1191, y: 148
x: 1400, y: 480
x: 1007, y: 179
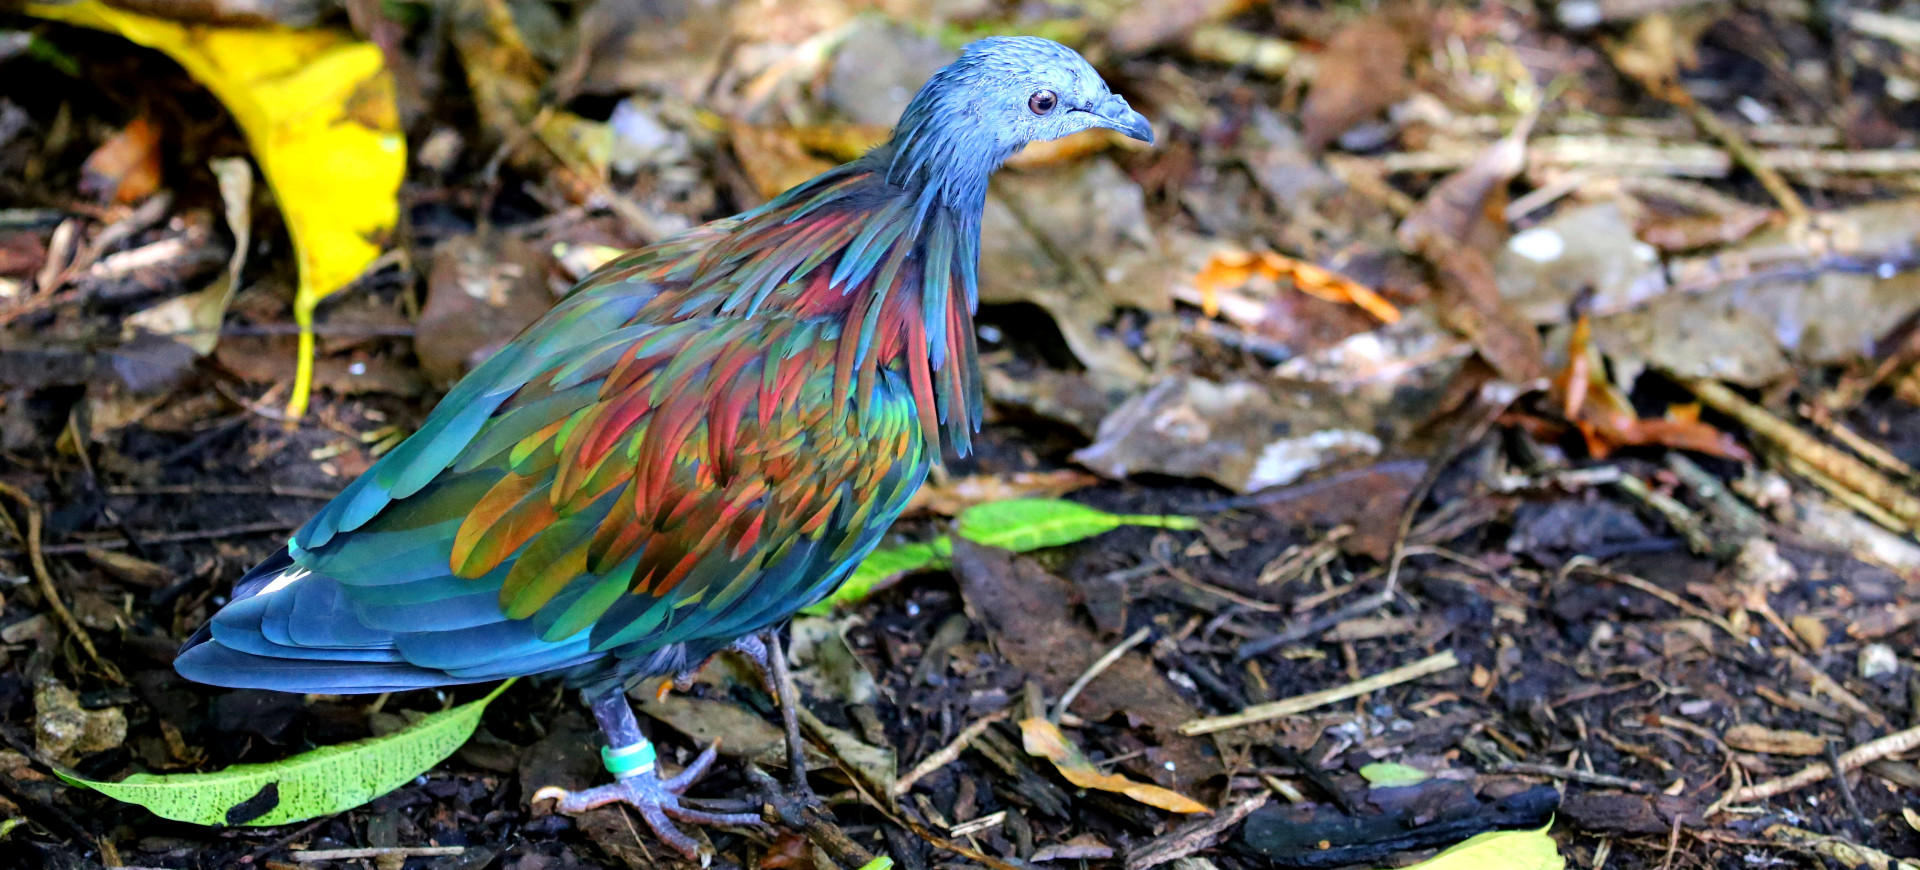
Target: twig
x: 1262, y: 712
x: 975, y: 826
x: 1842, y: 852
x: 1846, y: 792
x: 259, y: 528
x: 1743, y: 151
x: 1266, y: 56
x: 1586, y: 564
x: 1843, y: 468
x: 36, y: 557
x: 946, y: 755
x: 1870, y: 751
x: 1856, y: 442
x: 1830, y: 687
x: 284, y: 840
x: 1193, y: 836
x: 1673, y: 842
x: 1897, y: 29
x: 1677, y: 515
x: 1575, y: 774
x: 273, y: 489
x: 1617, y: 154
x: 1307, y: 627
x: 1099, y: 666
x: 318, y: 855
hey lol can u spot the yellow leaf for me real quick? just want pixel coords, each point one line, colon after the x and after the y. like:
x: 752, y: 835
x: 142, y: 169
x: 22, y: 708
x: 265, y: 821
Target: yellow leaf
x: 317, y: 109
x: 1499, y: 850
x: 1043, y: 739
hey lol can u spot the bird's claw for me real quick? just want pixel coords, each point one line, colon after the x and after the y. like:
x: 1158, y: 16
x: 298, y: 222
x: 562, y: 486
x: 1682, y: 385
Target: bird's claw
x: 790, y: 802
x: 658, y: 800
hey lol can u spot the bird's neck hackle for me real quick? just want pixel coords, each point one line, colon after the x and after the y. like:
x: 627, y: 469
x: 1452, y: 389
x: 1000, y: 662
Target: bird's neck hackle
x: 890, y: 267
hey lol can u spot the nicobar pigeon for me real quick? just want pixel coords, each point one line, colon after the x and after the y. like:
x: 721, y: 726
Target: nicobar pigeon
x: 703, y: 437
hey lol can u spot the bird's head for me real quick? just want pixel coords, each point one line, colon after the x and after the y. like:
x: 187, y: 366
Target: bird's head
x: 1002, y: 93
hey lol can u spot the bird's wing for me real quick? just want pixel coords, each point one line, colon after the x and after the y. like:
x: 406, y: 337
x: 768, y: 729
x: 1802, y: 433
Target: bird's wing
x: 604, y: 485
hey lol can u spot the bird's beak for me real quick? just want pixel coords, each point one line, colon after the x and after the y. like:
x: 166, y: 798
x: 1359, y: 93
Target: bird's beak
x: 1114, y: 113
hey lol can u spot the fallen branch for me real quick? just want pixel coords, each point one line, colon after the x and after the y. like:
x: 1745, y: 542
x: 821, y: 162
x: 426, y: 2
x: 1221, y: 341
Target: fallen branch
x: 1262, y: 712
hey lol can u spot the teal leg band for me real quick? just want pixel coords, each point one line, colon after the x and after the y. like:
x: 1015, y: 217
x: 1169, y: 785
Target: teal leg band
x: 628, y: 760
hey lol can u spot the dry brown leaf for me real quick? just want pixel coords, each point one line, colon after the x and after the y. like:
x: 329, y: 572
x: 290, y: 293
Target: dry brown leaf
x: 1043, y: 739
x: 1606, y: 418
x: 1362, y: 71
x: 774, y: 158
x: 126, y: 167
x: 1443, y: 231
x: 1156, y: 22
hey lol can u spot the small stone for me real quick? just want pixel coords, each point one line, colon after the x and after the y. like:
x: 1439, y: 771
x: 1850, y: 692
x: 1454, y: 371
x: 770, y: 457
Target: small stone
x: 65, y: 732
x: 1877, y: 660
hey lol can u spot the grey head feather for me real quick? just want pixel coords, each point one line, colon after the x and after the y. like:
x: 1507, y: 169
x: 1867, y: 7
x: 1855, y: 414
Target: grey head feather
x: 982, y: 109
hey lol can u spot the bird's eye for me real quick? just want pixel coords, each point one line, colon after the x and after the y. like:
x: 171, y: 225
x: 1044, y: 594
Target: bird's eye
x: 1041, y: 102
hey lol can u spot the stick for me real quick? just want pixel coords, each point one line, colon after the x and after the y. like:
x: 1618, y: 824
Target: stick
x: 260, y: 528
x: 1870, y: 751
x: 1262, y: 712
x: 1099, y: 667
x: 318, y: 855
x: 1843, y: 468
x: 946, y: 754
x: 44, y: 579
x: 1575, y: 774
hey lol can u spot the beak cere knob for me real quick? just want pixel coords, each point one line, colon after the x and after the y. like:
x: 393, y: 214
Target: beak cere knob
x: 1115, y: 113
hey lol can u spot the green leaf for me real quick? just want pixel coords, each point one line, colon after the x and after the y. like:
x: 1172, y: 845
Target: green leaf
x: 881, y: 863
x: 322, y: 782
x: 1500, y: 850
x: 1023, y: 524
x: 884, y: 566
x: 1020, y: 524
x: 1387, y: 774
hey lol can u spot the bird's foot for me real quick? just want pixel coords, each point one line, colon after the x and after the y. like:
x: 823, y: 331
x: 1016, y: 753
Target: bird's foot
x: 658, y: 800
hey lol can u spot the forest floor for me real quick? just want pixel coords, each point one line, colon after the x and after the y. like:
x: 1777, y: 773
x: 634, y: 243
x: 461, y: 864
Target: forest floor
x: 1542, y: 379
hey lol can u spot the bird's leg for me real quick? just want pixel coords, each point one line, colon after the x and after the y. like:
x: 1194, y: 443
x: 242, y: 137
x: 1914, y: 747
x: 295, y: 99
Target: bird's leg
x: 629, y: 756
